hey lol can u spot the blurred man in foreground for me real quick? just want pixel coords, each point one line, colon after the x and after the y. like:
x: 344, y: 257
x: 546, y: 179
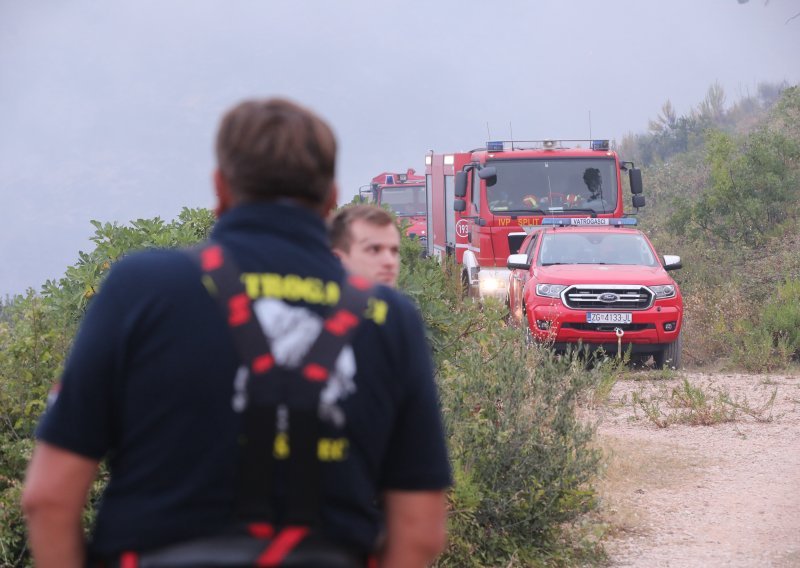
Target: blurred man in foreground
x: 156, y: 384
x: 366, y: 239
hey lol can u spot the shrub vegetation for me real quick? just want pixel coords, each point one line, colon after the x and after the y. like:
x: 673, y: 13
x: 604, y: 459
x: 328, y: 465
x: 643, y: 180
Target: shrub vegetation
x: 728, y: 203
x: 523, y: 462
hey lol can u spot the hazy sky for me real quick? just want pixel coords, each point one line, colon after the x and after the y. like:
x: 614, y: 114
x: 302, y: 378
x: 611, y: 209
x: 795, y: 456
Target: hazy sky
x: 108, y: 109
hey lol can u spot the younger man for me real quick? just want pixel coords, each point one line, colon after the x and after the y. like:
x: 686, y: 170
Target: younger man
x: 366, y: 239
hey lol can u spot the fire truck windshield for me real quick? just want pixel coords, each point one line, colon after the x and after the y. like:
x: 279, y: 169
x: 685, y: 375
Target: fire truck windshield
x: 554, y: 184
x: 567, y: 247
x: 405, y: 201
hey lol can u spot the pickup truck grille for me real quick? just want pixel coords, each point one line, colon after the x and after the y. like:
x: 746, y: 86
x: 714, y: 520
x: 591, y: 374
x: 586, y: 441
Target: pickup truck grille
x: 607, y: 297
x: 610, y: 327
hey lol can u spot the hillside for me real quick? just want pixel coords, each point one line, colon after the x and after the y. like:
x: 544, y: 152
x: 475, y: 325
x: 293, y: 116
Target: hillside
x: 727, y: 202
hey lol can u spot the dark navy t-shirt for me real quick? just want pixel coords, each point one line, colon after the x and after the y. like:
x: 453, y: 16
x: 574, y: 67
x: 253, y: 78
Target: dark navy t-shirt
x: 149, y: 385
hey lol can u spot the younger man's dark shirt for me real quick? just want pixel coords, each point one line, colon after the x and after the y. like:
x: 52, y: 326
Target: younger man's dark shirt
x: 149, y: 385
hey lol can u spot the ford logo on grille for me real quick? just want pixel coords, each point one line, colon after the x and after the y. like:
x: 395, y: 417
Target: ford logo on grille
x: 608, y: 298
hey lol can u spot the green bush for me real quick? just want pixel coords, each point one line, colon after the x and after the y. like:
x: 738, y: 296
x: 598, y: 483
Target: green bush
x: 523, y: 462
x: 781, y: 317
x: 36, y: 331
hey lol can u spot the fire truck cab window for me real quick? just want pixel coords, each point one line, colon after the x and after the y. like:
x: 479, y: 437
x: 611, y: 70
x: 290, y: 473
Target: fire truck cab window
x: 405, y: 201
x: 541, y: 186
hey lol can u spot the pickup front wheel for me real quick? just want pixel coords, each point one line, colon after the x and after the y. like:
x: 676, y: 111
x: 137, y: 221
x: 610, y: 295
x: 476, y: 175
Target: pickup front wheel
x: 670, y: 356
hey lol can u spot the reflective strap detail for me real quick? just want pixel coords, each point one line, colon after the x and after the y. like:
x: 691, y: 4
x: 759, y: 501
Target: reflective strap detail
x: 341, y: 322
x: 238, y: 310
x: 211, y: 258
x: 283, y: 544
x: 129, y: 560
x: 263, y: 363
x: 261, y: 530
x: 315, y: 373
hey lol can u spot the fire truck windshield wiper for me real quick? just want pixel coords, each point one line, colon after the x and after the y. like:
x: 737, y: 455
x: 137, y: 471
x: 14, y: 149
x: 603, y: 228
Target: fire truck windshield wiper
x: 592, y: 212
x: 519, y: 212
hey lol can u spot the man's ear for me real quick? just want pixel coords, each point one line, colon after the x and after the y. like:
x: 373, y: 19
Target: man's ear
x: 222, y: 190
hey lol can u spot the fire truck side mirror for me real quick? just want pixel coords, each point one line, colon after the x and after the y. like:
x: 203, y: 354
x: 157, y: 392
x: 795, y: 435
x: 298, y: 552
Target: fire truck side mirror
x: 459, y: 205
x: 635, y: 176
x: 638, y: 201
x: 489, y: 174
x: 461, y: 184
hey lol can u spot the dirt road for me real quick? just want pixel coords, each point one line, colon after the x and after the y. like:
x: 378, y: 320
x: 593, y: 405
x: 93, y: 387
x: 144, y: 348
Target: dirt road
x: 683, y: 495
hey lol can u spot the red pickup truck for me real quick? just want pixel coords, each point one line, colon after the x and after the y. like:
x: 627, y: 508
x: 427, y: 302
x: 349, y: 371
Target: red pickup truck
x: 598, y: 283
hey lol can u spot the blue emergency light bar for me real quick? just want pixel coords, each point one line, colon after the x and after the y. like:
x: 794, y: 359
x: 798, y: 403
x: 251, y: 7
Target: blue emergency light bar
x: 600, y: 145
x: 495, y: 146
x: 589, y: 221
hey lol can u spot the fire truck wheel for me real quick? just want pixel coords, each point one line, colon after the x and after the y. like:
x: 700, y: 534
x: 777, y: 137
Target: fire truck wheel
x: 670, y: 356
x: 465, y: 292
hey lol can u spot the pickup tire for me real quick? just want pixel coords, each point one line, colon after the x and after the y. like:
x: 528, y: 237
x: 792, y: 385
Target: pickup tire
x: 670, y: 356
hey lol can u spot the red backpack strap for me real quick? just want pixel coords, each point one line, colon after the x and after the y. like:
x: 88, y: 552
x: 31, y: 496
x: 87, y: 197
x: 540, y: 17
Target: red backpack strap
x: 303, y: 498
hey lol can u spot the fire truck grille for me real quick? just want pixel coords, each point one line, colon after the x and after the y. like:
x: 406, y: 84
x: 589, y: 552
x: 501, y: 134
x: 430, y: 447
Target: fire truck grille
x: 608, y: 297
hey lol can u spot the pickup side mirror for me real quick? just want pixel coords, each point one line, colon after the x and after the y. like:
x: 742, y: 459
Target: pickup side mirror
x: 672, y: 262
x: 488, y: 174
x: 461, y: 185
x: 459, y: 205
x: 635, y: 177
x: 638, y: 201
x: 519, y: 261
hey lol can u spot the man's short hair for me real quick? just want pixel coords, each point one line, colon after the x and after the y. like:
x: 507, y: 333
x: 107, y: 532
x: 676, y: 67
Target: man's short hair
x: 341, y: 237
x: 273, y: 148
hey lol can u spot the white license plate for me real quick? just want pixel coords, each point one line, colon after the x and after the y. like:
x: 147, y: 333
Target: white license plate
x: 609, y: 317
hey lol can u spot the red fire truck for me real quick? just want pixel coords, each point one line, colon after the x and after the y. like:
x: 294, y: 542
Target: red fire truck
x: 404, y: 193
x: 480, y: 201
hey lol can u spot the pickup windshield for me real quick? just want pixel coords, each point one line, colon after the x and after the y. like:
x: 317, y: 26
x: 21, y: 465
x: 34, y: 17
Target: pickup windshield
x: 554, y: 185
x: 405, y: 201
x: 595, y: 248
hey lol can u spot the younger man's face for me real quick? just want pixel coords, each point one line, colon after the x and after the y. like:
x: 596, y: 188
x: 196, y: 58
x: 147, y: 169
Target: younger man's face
x: 374, y: 252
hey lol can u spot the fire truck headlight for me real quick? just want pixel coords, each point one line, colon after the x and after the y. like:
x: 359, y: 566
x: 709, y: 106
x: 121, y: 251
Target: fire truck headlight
x: 550, y: 290
x: 666, y: 291
x: 490, y: 284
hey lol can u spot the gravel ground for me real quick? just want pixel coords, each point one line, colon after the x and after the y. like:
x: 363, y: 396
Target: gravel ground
x: 685, y: 495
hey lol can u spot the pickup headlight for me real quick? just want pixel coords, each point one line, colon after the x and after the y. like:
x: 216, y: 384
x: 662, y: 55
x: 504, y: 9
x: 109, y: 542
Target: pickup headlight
x: 550, y: 290
x: 665, y: 291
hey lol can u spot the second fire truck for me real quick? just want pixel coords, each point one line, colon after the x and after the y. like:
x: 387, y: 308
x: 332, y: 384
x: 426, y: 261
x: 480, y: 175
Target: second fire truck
x: 480, y: 202
x: 404, y: 193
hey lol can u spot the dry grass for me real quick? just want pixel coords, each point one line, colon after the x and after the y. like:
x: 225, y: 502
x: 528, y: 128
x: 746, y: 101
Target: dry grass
x: 636, y: 466
x: 693, y: 405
